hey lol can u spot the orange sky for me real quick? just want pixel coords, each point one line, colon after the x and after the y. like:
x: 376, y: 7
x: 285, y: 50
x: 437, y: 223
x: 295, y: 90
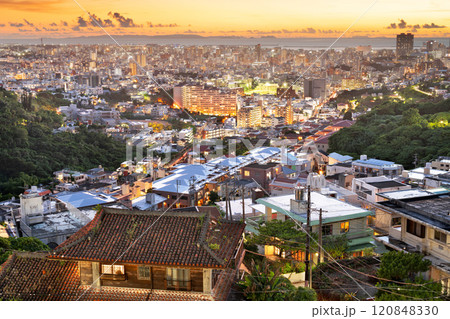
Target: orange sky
x: 282, y: 18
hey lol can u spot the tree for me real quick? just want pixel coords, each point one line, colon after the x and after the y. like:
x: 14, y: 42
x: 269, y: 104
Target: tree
x: 336, y: 246
x: 348, y: 115
x: 213, y: 197
x: 28, y: 244
x: 265, y: 283
x: 399, y: 266
x: 8, y: 245
x: 302, y: 294
x: 412, y: 117
x: 401, y: 281
x: 281, y: 234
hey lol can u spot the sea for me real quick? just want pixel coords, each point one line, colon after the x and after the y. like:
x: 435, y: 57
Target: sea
x: 195, y: 40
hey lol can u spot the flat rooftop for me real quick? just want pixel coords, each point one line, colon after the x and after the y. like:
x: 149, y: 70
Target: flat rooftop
x: 386, y: 184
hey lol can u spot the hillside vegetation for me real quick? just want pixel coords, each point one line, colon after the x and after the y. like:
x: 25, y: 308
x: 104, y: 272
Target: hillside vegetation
x: 396, y: 131
x: 31, y: 152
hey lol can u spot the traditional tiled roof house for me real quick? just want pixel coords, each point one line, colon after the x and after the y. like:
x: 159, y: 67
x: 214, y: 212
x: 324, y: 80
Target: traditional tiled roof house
x: 133, y: 255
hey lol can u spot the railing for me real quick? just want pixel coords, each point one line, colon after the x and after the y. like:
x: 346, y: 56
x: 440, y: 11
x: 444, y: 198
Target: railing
x: 117, y: 277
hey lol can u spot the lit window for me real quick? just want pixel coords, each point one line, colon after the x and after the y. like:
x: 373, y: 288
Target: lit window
x: 246, y: 173
x: 113, y: 269
x: 344, y: 227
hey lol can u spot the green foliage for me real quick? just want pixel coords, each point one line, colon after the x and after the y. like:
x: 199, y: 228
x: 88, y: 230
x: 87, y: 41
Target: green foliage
x: 348, y: 115
x: 27, y: 244
x: 397, y: 265
x: 402, y: 267
x: 30, y: 152
x: 265, y: 283
x: 115, y: 97
x: 281, y: 234
x: 214, y: 246
x: 336, y: 245
x: 396, y: 131
x: 213, y: 198
x: 292, y: 266
x: 302, y: 294
x: 7, y: 245
x: 417, y: 290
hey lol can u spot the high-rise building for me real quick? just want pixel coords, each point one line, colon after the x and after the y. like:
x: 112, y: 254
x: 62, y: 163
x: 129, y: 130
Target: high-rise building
x: 133, y: 69
x: 286, y: 111
x: 258, y: 52
x: 405, y: 44
x: 209, y: 101
x: 141, y: 59
x: 249, y: 116
x: 314, y: 88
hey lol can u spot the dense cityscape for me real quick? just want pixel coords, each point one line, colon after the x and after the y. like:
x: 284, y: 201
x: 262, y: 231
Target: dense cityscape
x: 225, y: 172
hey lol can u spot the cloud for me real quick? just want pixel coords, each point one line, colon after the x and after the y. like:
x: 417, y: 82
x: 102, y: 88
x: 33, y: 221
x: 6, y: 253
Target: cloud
x: 28, y: 23
x: 433, y: 26
x: 403, y: 25
x: 194, y: 32
x: 64, y: 23
x: 24, y: 30
x: 159, y: 25
x: 123, y: 22
x: 96, y: 21
x: 53, y: 24
x: 81, y: 22
x: 16, y: 25
x: 2, y: 25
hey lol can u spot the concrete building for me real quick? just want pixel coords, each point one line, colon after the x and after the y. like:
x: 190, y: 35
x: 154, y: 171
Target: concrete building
x: 314, y: 88
x: 368, y: 188
x: 210, y: 101
x: 418, y: 221
x: 249, y: 116
x: 405, y: 44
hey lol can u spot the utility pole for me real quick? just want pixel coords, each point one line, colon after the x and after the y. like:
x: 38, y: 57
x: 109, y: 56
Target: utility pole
x: 226, y: 199
x: 308, y: 269
x: 319, y: 259
x: 243, y: 204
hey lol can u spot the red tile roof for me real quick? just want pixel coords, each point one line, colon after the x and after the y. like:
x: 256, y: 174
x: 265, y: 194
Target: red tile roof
x: 34, y: 277
x: 175, y: 238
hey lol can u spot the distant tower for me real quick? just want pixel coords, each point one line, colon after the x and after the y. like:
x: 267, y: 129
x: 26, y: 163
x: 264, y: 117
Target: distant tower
x: 258, y: 52
x: 405, y: 44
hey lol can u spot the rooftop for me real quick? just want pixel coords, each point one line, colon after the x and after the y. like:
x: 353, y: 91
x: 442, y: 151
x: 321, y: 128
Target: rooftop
x: 333, y: 209
x: 178, y: 238
x: 32, y: 276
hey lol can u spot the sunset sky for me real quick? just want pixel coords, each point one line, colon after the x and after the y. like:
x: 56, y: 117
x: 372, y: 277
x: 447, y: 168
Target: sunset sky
x: 256, y: 18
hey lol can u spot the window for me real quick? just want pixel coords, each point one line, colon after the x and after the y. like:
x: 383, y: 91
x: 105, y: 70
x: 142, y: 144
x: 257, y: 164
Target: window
x: 344, y: 227
x: 178, y: 279
x: 143, y: 273
x: 415, y: 229
x: 113, y: 269
x: 396, y: 221
x: 247, y: 173
x: 327, y: 230
x: 440, y: 236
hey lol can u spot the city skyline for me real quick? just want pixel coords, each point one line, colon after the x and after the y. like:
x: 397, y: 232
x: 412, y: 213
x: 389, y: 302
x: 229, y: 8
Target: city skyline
x: 66, y: 18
